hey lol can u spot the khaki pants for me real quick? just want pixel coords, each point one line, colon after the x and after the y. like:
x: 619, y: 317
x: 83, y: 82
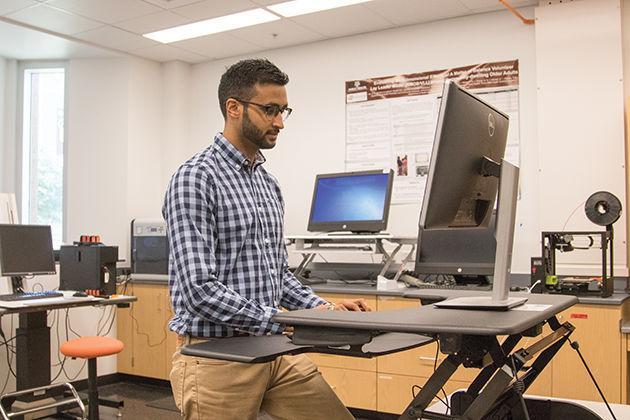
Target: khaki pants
x: 289, y: 388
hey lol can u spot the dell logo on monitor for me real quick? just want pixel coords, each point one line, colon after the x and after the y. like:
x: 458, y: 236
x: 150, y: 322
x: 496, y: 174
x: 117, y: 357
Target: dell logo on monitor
x: 491, y: 125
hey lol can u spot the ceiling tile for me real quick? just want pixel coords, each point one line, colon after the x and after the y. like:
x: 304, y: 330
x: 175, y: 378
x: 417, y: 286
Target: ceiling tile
x: 407, y: 12
x: 213, y: 8
x: 118, y: 39
x: 171, y: 4
x: 344, y: 21
x: 9, y: 6
x: 217, y: 46
x: 108, y: 11
x: 29, y: 44
x: 164, y: 53
x: 153, y: 22
x: 277, y: 34
x: 268, y: 2
x: 54, y: 20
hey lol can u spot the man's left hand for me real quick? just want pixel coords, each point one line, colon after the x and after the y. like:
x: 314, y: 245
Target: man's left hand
x: 352, y: 305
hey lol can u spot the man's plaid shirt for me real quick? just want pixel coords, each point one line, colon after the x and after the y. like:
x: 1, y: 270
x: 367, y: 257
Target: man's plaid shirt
x: 228, y: 261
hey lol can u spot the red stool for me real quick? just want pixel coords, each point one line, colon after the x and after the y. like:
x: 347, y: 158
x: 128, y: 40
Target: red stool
x: 90, y: 348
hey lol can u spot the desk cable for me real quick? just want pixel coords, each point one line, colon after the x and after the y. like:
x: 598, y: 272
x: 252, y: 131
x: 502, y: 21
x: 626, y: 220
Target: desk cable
x: 530, y: 288
x: 519, y: 388
x: 445, y: 401
x: 8, y: 350
x: 576, y: 346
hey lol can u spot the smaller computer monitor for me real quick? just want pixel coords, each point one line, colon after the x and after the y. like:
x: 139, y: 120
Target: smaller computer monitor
x: 26, y: 250
x: 351, y: 202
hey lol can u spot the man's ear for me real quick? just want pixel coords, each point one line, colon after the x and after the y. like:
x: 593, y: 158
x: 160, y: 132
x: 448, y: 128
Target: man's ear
x: 233, y: 108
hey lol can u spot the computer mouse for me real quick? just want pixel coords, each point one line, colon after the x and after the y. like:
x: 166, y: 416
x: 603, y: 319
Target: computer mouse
x: 80, y: 294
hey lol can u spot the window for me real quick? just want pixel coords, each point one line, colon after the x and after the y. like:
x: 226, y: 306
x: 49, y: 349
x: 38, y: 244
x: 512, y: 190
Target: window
x: 42, y: 159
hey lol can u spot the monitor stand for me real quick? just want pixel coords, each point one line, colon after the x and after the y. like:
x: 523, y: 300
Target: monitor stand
x: 17, y: 284
x: 506, y: 216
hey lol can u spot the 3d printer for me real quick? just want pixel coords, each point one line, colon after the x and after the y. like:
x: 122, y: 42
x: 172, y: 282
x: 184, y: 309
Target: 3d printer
x: 603, y: 209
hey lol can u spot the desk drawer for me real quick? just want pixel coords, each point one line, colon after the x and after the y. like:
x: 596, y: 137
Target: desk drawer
x: 355, y: 388
x: 395, y: 391
x: 343, y: 362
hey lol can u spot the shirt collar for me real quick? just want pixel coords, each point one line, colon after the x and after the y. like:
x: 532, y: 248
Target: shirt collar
x: 234, y: 156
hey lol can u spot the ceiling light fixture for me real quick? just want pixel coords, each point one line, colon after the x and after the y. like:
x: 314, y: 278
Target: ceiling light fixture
x: 302, y: 7
x: 212, y: 26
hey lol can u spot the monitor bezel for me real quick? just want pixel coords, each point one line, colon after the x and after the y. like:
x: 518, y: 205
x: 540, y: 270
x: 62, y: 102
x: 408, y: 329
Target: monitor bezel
x: 371, y: 226
x: 29, y: 273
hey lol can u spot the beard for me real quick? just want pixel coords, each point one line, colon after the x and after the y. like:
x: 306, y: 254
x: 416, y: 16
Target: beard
x: 255, y: 135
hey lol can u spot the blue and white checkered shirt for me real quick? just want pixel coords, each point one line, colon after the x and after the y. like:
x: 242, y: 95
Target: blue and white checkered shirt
x: 228, y: 261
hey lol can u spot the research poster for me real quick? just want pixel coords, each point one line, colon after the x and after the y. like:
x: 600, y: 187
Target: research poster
x: 391, y: 121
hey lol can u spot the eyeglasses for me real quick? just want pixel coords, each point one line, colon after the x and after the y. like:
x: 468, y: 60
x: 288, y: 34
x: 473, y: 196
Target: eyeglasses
x: 271, y: 111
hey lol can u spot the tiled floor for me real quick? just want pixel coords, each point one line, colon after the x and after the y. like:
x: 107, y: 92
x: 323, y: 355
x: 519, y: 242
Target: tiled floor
x: 139, y: 400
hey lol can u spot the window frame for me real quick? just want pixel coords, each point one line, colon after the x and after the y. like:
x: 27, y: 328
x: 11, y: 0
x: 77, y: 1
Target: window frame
x: 24, y: 65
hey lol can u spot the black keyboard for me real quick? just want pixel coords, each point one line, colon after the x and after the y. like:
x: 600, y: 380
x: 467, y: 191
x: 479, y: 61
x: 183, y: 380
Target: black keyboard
x: 14, y: 297
x: 452, y: 286
x: 412, y: 281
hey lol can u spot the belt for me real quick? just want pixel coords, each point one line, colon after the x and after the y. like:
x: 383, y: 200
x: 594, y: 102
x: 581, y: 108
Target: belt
x: 187, y: 339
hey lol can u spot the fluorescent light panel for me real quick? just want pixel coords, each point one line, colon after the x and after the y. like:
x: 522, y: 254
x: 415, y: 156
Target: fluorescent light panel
x: 302, y: 7
x: 212, y: 26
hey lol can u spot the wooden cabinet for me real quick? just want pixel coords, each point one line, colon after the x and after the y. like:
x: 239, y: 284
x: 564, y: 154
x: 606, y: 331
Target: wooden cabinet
x: 385, y: 383
x: 353, y: 379
x: 355, y: 388
x: 395, y: 392
x: 143, y: 329
x: 598, y: 333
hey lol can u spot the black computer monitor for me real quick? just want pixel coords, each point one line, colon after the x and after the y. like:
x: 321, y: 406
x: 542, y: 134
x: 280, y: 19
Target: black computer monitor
x: 463, y: 182
x: 25, y: 250
x: 458, y: 193
x: 465, y: 254
x: 351, y: 201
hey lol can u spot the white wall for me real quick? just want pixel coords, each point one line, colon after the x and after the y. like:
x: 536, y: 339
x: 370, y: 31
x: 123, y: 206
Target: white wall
x: 176, y: 77
x: 314, y: 138
x: 8, y: 92
x: 580, y: 119
x: 114, y: 147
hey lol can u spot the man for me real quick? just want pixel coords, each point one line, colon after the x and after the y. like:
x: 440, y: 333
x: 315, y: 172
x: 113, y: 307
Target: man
x: 228, y: 265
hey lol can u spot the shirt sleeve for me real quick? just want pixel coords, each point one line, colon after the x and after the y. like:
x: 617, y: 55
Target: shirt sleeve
x: 295, y: 295
x: 189, y: 211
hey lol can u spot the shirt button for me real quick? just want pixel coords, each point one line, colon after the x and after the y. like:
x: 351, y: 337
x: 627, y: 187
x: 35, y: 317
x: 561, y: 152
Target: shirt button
x: 273, y: 271
x: 267, y: 241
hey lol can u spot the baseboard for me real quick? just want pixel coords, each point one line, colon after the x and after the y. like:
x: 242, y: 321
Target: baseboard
x: 372, y: 415
x: 124, y: 377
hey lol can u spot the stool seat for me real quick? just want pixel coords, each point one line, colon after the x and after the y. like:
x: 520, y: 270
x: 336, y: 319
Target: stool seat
x: 91, y: 347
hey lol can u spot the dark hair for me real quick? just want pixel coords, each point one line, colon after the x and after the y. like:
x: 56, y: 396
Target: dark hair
x: 239, y: 79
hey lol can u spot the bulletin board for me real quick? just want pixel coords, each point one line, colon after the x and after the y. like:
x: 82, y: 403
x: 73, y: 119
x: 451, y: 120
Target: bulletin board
x: 391, y: 120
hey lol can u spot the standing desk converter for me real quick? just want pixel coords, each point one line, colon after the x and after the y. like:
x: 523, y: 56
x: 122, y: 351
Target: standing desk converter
x: 468, y: 337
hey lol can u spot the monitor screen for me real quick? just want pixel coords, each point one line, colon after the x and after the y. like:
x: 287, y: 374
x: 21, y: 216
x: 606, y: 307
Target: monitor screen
x: 351, y: 201
x: 462, y: 253
x: 458, y: 194
x: 25, y: 250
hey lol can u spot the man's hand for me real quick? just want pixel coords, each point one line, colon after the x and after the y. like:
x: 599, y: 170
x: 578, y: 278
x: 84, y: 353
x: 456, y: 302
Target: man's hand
x: 347, y: 305
x: 352, y: 305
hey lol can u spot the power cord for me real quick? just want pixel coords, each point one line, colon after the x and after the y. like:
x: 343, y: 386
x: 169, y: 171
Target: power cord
x: 437, y: 353
x: 576, y: 346
x: 519, y: 388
